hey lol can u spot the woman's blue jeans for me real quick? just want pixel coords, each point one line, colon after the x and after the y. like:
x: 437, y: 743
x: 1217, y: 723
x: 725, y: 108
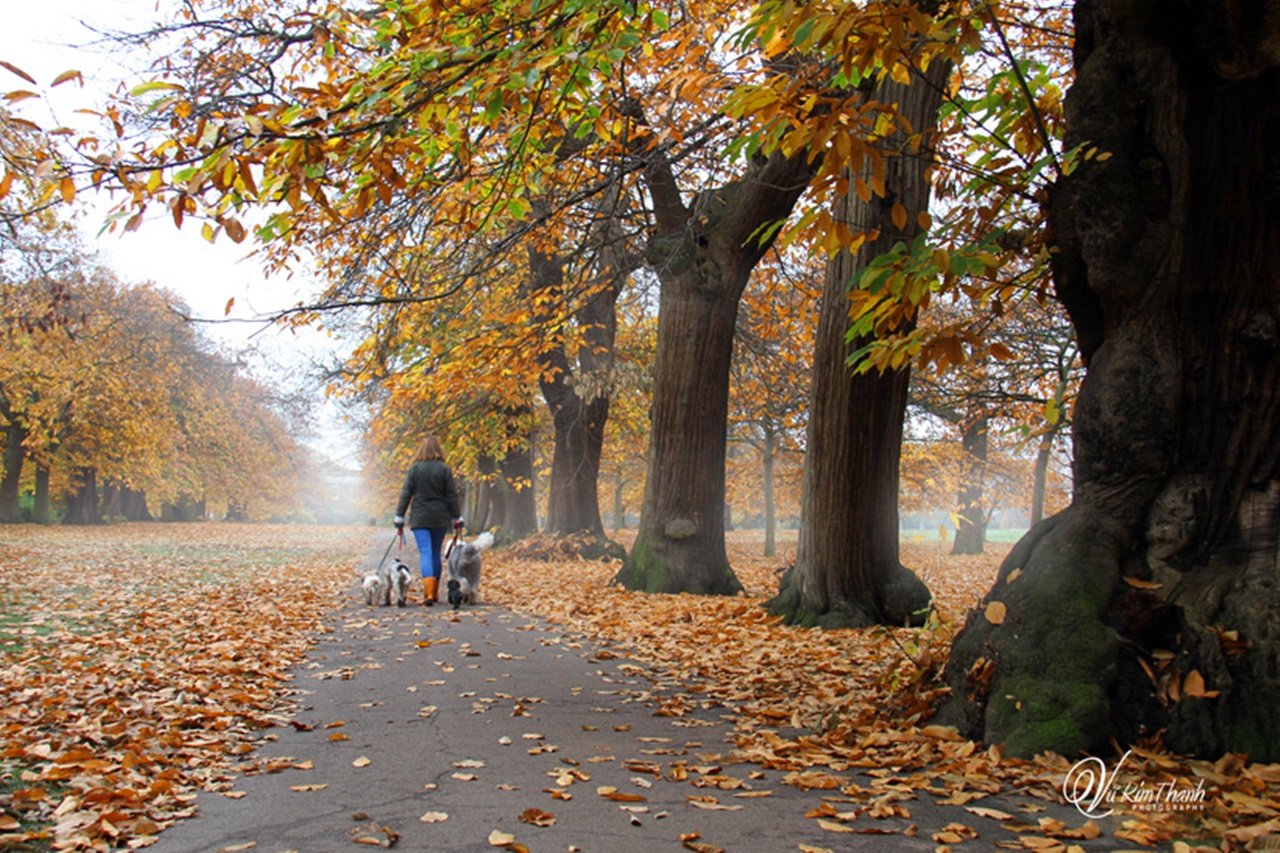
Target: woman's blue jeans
x: 430, y: 542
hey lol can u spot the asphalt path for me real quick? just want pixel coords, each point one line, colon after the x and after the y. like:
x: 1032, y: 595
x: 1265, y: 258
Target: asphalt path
x: 432, y: 730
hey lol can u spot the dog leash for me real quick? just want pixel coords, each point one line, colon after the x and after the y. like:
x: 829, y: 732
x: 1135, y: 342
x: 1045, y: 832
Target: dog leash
x: 452, y: 543
x: 399, y: 534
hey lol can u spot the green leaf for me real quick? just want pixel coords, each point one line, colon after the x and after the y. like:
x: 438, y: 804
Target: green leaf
x: 155, y: 86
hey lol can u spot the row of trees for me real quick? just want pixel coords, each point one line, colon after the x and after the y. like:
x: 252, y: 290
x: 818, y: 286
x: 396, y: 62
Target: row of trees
x: 542, y: 159
x: 113, y: 406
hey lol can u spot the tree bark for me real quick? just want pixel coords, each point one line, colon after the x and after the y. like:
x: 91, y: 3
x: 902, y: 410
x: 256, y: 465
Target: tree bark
x: 41, y: 513
x: 82, y: 508
x: 1169, y: 264
x: 971, y: 531
x: 703, y: 257
x: 847, y: 571
x: 14, y: 454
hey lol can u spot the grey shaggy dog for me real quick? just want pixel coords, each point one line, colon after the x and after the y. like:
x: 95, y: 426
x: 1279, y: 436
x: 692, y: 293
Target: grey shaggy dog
x: 463, y: 578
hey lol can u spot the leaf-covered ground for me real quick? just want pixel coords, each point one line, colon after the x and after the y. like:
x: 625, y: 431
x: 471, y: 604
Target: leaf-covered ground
x: 137, y: 663
x: 818, y: 702
x: 136, y: 660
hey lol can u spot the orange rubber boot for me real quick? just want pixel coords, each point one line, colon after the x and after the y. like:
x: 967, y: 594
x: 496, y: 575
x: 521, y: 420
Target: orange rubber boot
x: 429, y: 591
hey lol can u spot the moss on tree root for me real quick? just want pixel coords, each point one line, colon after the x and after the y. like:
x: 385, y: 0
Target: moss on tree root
x: 902, y: 599
x: 1054, y: 655
x: 647, y: 569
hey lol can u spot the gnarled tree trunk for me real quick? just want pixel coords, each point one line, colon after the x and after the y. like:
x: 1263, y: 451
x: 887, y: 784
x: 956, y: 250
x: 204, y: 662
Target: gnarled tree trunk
x: 1169, y: 263
x: 703, y: 257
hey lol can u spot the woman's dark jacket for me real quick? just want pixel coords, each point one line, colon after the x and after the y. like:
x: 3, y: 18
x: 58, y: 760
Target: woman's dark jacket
x: 435, y: 497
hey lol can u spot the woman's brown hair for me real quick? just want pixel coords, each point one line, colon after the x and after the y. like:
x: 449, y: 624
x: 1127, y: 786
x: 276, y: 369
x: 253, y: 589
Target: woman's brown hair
x: 429, y: 450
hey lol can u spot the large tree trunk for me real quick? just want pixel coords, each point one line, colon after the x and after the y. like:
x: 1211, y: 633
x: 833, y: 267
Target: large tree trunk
x: 1169, y: 263
x: 14, y: 454
x: 82, y: 508
x: 971, y: 531
x: 847, y: 570
x: 41, y: 513
x: 703, y: 257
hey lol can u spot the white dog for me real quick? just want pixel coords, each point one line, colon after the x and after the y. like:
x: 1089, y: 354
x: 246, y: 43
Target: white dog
x: 382, y: 583
x: 464, y: 570
x: 373, y: 588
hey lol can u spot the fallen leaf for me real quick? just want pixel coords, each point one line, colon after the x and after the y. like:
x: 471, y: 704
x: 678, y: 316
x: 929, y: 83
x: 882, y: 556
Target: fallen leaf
x: 434, y: 817
x: 994, y: 814
x: 1193, y: 686
x: 995, y: 612
x: 362, y: 761
x: 498, y: 838
x: 611, y: 793
x: 537, y: 817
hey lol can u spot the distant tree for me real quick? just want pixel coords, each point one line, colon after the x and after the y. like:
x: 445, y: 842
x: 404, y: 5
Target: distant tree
x: 770, y: 378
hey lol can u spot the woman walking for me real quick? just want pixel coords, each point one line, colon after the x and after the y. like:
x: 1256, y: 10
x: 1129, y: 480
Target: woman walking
x: 430, y: 487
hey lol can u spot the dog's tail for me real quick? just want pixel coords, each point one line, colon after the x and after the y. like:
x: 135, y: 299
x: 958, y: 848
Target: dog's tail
x: 483, y: 541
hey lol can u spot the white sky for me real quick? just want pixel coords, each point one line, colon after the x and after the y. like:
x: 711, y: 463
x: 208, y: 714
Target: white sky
x: 47, y: 37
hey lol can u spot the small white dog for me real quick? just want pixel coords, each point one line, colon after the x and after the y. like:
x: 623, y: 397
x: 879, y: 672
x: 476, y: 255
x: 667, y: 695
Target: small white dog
x: 464, y: 570
x: 372, y: 586
x: 382, y: 583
